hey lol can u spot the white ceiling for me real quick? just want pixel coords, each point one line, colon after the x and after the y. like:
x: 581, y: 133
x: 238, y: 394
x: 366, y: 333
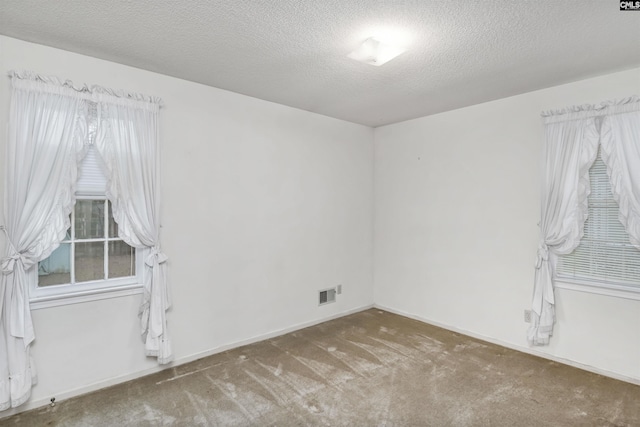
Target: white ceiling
x: 294, y: 52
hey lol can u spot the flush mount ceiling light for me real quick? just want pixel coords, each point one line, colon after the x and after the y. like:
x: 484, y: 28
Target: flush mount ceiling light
x: 374, y: 52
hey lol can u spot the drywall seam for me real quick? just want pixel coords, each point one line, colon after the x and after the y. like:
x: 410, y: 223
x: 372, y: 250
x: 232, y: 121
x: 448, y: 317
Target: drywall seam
x: 521, y: 349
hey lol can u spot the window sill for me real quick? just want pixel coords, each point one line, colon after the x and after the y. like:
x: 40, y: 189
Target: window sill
x: 611, y: 290
x: 77, y: 297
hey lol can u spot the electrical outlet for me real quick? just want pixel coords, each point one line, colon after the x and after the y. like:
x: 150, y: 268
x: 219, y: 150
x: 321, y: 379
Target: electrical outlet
x: 527, y: 316
x: 339, y: 289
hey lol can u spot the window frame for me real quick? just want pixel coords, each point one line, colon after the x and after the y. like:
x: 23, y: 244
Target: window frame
x: 598, y: 288
x: 71, y: 293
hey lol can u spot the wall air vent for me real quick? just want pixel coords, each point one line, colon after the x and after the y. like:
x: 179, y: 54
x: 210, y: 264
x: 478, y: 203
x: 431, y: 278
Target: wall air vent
x: 327, y: 296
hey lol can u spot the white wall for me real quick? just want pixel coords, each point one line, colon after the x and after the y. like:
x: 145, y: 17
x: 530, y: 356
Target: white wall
x: 456, y: 212
x: 263, y: 205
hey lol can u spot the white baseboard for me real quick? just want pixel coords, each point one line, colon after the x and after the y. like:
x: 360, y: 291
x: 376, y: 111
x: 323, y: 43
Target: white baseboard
x: 186, y: 359
x: 515, y: 347
x: 180, y: 361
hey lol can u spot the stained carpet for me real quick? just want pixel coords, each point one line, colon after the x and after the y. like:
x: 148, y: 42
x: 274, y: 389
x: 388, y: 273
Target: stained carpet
x: 372, y: 368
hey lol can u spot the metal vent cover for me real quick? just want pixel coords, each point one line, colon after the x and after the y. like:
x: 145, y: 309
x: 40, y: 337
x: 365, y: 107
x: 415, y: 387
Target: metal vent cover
x: 327, y: 296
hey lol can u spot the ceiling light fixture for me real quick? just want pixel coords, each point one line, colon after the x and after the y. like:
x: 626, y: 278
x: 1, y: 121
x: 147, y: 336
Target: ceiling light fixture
x: 373, y: 52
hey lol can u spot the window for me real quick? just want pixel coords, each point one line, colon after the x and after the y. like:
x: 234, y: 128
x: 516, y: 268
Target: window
x: 92, y: 259
x: 605, y: 257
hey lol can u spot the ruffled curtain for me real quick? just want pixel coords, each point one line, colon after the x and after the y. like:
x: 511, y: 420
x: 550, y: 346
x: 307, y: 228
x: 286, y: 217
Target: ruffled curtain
x: 128, y: 143
x: 570, y: 148
x: 48, y: 135
x: 621, y: 153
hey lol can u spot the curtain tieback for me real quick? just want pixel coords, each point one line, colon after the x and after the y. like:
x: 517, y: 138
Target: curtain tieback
x: 543, y: 254
x: 156, y: 256
x: 20, y: 325
x: 9, y: 263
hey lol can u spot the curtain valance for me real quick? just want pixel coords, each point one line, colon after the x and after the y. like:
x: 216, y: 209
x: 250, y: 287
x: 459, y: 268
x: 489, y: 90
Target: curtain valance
x: 576, y: 112
x: 50, y: 84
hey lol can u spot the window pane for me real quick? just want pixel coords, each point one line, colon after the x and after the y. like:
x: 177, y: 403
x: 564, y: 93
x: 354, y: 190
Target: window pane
x: 89, y: 261
x: 67, y: 235
x: 56, y: 270
x: 122, y: 260
x: 89, y: 222
x: 113, y: 227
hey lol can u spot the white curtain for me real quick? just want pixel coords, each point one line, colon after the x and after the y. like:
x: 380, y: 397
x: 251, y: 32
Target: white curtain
x: 571, y: 145
x: 128, y: 143
x: 621, y: 153
x: 48, y: 132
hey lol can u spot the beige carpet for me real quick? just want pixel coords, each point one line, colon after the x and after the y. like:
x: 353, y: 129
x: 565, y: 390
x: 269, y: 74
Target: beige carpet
x: 368, y: 369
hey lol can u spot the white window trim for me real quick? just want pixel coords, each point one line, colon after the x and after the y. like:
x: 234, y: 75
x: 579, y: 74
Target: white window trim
x: 64, y: 294
x: 84, y: 296
x: 598, y: 288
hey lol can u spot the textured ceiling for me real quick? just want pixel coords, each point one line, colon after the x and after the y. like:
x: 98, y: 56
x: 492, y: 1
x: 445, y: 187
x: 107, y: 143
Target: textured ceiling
x: 294, y: 52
